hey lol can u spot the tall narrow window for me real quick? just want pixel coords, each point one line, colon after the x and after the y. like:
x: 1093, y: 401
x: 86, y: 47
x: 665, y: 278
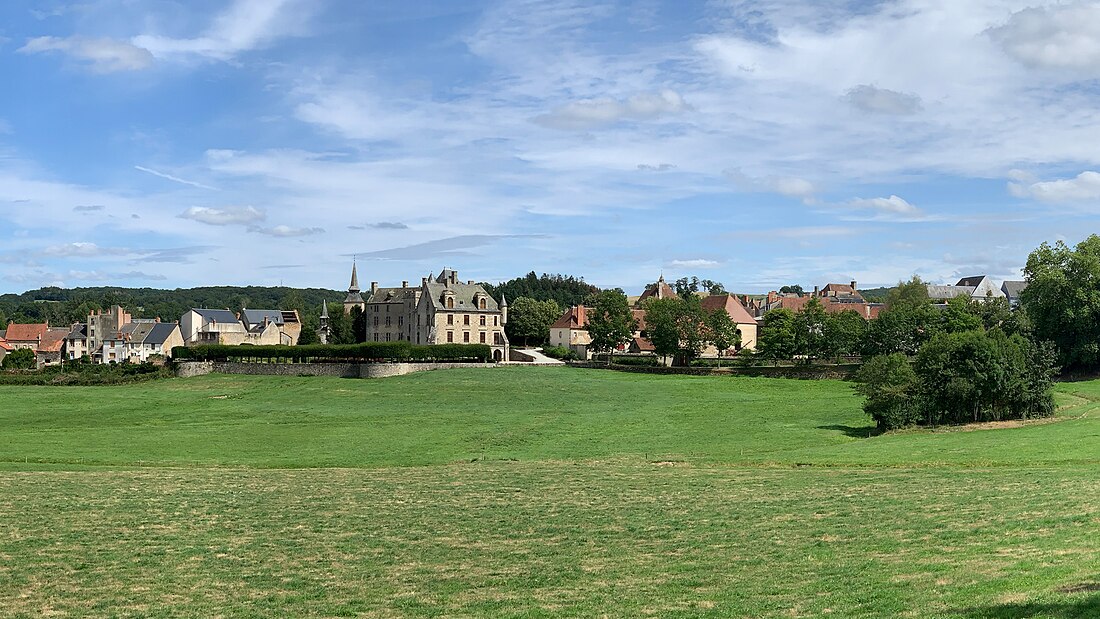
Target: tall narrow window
x: 465, y: 319
x: 466, y: 337
x: 483, y: 321
x: 450, y: 336
x: 450, y: 319
x: 482, y: 337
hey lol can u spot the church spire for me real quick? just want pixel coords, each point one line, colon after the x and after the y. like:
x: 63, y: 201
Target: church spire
x: 324, y: 308
x: 354, y: 287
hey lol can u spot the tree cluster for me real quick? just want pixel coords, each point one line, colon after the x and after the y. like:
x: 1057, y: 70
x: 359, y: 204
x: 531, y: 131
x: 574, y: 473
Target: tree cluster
x: 811, y: 334
x: 529, y: 320
x: 565, y: 290
x: 1062, y: 300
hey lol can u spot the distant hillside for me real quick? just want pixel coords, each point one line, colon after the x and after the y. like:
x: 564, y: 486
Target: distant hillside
x: 875, y: 295
x: 63, y: 306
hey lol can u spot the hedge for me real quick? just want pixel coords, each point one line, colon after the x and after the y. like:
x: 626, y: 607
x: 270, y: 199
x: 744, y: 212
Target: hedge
x: 367, y: 351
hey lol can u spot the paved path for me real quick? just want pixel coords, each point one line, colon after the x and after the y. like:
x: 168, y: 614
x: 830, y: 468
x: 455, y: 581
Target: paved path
x: 539, y: 358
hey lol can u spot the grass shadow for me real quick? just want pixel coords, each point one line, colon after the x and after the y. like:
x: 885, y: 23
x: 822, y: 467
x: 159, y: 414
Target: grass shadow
x: 1084, y: 608
x: 853, y: 431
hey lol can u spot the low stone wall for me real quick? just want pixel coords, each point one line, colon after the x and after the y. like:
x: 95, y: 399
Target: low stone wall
x: 187, y: 369
x: 810, y: 372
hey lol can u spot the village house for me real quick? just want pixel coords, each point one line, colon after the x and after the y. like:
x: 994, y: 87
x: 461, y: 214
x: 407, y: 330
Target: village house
x: 834, y: 298
x: 272, y: 326
x: 139, y: 340
x: 978, y: 287
x: 47, y: 343
x: 212, y: 326
x: 1012, y: 290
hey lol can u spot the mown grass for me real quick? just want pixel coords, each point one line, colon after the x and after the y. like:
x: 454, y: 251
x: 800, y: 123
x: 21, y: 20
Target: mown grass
x: 535, y: 493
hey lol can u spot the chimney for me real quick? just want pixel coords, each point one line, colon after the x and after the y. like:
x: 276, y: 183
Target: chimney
x: 773, y: 296
x: 238, y: 315
x: 423, y: 281
x: 404, y: 283
x: 157, y: 320
x: 470, y: 282
x: 853, y: 285
x: 817, y: 291
x: 373, y: 287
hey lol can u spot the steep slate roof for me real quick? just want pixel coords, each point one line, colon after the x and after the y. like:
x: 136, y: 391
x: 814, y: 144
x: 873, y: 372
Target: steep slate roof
x: 732, y: 306
x: 220, y: 316
x: 949, y: 292
x: 160, y: 333
x: 1013, y: 289
x: 388, y: 295
x: 26, y: 333
x: 463, y: 295
x: 255, y: 317
x: 79, y: 332
x: 973, y: 281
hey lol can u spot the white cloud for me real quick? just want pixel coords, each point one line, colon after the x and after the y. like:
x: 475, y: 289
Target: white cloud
x: 1065, y: 36
x: 84, y: 250
x: 1085, y: 186
x: 695, y: 263
x: 790, y: 186
x: 887, y: 206
x: 882, y: 100
x: 245, y: 25
x: 224, y: 217
x: 103, y: 55
x: 286, y: 231
x: 592, y: 113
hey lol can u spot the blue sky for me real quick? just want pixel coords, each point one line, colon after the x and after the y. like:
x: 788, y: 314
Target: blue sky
x: 175, y: 144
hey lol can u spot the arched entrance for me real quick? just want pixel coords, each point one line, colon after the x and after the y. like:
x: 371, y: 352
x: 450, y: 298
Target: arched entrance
x: 498, y: 356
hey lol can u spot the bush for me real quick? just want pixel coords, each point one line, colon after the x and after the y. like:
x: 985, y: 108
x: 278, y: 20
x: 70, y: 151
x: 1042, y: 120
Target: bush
x: 22, y: 359
x: 83, y: 374
x: 562, y: 353
x: 888, y: 382
x: 967, y: 377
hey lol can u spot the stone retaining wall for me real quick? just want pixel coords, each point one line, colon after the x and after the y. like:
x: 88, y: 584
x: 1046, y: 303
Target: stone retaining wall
x: 186, y: 369
x: 810, y: 372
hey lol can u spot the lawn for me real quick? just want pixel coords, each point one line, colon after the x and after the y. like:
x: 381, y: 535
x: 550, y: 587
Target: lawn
x: 535, y: 493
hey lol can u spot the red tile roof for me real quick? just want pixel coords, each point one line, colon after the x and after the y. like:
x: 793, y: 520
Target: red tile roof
x: 661, y: 290
x: 53, y: 340
x: 573, y: 318
x: 732, y: 306
x: 26, y: 333
x: 5, y: 345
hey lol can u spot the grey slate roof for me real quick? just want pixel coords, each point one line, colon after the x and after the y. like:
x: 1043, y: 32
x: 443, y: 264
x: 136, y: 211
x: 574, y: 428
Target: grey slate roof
x: 80, y: 332
x: 254, y: 317
x: 221, y: 316
x: 949, y: 292
x: 388, y: 295
x: 1012, y: 289
x: 463, y: 295
x: 973, y: 281
x: 160, y: 333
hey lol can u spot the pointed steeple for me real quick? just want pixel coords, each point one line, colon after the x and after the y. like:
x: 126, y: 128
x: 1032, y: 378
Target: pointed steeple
x: 354, y: 287
x: 324, y: 308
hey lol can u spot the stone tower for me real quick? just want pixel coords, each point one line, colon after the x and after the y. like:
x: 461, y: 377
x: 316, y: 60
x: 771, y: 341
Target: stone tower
x: 354, y: 299
x: 324, y: 332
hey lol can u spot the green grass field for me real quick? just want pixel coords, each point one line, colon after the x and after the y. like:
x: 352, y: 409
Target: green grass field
x: 536, y: 492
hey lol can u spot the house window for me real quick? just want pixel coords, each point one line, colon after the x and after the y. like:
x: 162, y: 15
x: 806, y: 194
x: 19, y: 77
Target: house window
x: 376, y: 321
x: 387, y: 337
x: 482, y: 337
x: 450, y: 319
x: 450, y: 303
x: 483, y: 321
x: 481, y: 303
x: 450, y: 336
x: 497, y: 339
x: 495, y: 321
x: 401, y: 321
x: 466, y: 319
x: 387, y: 321
x: 466, y: 337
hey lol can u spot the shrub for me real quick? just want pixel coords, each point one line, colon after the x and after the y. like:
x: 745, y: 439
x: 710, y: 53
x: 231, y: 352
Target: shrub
x: 888, y: 382
x: 563, y: 353
x: 22, y: 359
x: 367, y: 351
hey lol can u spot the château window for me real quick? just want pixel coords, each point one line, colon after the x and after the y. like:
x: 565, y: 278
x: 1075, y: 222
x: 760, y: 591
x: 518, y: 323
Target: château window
x: 481, y: 303
x: 496, y: 321
x: 483, y: 321
x: 450, y: 336
x: 450, y: 303
x: 466, y: 337
x: 482, y: 337
x: 465, y: 319
x: 450, y: 319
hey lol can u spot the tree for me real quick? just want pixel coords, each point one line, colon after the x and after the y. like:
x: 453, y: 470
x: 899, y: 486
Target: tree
x: 845, y: 332
x: 358, y: 325
x: 529, y: 320
x: 1062, y: 300
x: 566, y: 290
x: 959, y: 316
x: 662, y: 325
x: 811, y: 335
x: 685, y: 286
x: 793, y: 289
x: 903, y: 328
x: 22, y: 359
x: 610, y: 321
x: 723, y: 332
x: 907, y: 294
x: 777, y: 338
x: 996, y: 313
x: 341, y: 326
x: 889, y: 384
